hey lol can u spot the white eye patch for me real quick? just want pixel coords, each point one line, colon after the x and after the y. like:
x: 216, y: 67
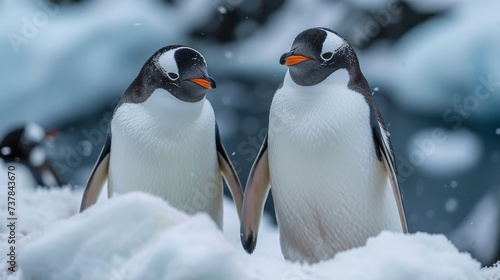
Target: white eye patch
x: 331, y: 44
x: 169, y: 65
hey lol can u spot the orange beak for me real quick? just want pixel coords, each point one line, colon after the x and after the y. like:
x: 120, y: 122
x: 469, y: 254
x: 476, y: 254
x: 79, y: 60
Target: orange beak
x: 295, y: 59
x: 51, y: 134
x: 290, y: 59
x: 207, y: 83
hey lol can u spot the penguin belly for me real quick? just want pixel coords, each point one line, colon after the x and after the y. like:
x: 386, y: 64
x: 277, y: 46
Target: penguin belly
x: 330, y: 191
x: 172, y: 157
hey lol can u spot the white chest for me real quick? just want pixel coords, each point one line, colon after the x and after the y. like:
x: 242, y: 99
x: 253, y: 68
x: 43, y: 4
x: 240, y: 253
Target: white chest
x: 330, y: 191
x: 166, y: 147
x: 326, y: 127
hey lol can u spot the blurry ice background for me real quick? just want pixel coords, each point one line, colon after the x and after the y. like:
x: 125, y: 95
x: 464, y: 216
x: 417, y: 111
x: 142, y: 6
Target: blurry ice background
x: 434, y: 64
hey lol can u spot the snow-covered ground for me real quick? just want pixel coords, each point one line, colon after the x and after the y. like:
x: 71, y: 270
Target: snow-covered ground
x: 138, y: 236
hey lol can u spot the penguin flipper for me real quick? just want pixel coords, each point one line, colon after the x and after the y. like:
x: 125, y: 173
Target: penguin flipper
x: 256, y: 192
x: 384, y: 145
x: 98, y: 177
x: 229, y: 173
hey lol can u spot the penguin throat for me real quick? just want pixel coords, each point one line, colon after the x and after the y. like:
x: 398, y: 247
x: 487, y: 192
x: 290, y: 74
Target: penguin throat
x: 340, y: 77
x: 162, y: 102
x: 190, y: 96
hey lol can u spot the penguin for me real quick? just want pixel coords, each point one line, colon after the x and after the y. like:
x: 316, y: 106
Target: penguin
x: 327, y: 156
x: 163, y: 139
x: 26, y: 145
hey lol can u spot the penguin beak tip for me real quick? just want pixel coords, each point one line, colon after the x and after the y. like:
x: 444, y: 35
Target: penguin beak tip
x: 212, y: 83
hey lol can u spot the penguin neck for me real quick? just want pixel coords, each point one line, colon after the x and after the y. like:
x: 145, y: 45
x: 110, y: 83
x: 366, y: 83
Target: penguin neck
x: 159, y: 118
x: 163, y: 103
x: 338, y: 78
x: 358, y: 82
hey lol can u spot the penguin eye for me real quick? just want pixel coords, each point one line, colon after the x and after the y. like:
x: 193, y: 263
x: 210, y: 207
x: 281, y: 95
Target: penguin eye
x: 173, y: 76
x: 327, y: 56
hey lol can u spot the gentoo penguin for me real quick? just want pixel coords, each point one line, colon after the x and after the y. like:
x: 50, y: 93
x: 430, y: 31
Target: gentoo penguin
x: 163, y: 139
x: 327, y: 156
x: 26, y: 145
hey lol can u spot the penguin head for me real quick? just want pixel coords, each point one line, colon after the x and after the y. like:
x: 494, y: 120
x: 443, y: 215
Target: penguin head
x: 180, y: 70
x: 20, y: 143
x: 316, y: 53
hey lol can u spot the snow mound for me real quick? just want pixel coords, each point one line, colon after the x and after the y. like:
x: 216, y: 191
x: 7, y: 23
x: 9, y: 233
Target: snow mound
x: 195, y: 249
x: 138, y: 236
x: 397, y: 256
x: 492, y: 273
x: 93, y: 244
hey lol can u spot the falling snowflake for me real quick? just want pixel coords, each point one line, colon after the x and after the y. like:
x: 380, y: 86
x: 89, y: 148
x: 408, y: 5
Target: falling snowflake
x: 451, y: 205
x: 454, y: 184
x: 222, y: 10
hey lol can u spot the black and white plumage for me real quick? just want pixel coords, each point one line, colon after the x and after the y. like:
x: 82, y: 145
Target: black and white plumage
x: 26, y: 145
x: 163, y: 138
x: 327, y: 157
